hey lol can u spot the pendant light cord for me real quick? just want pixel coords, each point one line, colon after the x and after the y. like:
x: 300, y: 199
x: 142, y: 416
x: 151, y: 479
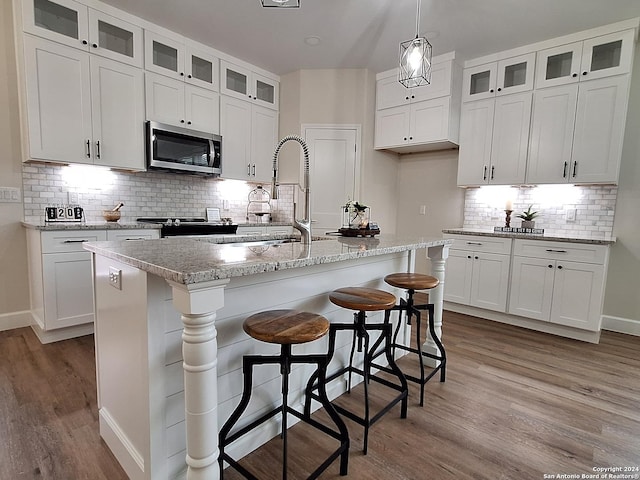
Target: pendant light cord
x: 418, y: 19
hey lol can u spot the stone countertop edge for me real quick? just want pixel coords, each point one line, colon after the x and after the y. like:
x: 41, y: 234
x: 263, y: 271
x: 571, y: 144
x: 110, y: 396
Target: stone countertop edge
x: 530, y: 236
x: 190, y: 261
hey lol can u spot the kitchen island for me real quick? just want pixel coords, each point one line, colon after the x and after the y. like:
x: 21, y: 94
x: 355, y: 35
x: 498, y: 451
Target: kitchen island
x: 169, y: 338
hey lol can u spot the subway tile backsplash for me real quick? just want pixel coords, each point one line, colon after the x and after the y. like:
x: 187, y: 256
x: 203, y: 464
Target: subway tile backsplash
x: 144, y: 194
x: 593, y: 205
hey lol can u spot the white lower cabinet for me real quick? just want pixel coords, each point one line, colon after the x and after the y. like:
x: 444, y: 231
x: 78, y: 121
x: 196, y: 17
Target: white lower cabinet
x: 478, y: 272
x: 558, y: 282
x: 61, y: 279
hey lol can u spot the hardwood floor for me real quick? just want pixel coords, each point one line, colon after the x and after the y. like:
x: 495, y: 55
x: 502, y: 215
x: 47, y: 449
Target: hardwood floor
x: 517, y: 404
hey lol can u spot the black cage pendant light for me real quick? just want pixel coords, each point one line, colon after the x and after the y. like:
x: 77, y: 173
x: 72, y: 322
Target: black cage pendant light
x: 281, y: 3
x: 415, y: 59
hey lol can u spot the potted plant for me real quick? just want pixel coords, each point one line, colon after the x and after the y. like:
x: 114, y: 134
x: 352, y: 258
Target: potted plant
x: 355, y: 214
x: 527, y: 218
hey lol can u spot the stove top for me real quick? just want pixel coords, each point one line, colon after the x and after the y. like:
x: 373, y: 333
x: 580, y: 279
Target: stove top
x: 189, y: 226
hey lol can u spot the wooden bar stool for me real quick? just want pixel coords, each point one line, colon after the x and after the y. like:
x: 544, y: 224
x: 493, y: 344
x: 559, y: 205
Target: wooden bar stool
x: 364, y: 300
x: 412, y: 282
x: 286, y: 328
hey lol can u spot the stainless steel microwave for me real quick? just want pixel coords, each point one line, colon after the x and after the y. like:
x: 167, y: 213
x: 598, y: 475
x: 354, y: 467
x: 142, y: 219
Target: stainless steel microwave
x: 182, y: 150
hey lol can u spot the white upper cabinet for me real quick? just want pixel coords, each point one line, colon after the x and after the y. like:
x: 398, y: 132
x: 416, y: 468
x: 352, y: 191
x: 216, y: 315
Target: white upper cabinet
x: 182, y: 60
x: 512, y: 75
x: 594, y: 58
x: 244, y: 84
x: 493, y: 140
x: 175, y: 103
x: 76, y: 25
x: 391, y: 93
x: 83, y: 108
x: 422, y: 118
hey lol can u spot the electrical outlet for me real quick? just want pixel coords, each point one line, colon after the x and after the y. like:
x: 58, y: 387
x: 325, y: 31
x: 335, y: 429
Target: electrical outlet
x: 115, y: 278
x: 74, y: 198
x: 423, y: 209
x: 225, y: 204
x: 571, y: 215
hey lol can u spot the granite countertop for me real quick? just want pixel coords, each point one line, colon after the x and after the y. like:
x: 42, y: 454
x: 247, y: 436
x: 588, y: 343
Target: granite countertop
x: 53, y: 226
x: 189, y: 261
x: 572, y: 238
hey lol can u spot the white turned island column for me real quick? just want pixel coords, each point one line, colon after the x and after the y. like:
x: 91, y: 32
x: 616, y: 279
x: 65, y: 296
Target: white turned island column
x: 438, y: 256
x: 198, y: 304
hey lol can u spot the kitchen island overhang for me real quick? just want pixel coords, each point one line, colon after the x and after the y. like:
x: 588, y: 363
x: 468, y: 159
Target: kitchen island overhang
x: 169, y: 340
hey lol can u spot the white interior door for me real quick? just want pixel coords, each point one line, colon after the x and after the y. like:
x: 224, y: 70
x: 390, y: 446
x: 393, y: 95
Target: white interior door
x: 334, y: 171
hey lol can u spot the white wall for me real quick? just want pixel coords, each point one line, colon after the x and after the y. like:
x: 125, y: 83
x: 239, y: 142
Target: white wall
x: 14, y: 286
x: 339, y: 97
x: 622, y: 299
x: 428, y: 179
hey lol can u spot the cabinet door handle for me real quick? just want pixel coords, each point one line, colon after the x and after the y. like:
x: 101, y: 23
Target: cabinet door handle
x: 253, y: 170
x: 492, y: 170
x: 550, y: 266
x: 249, y: 169
x: 138, y: 238
x: 556, y: 251
x: 575, y: 167
x: 559, y: 267
x: 189, y: 76
x: 585, y: 72
x: 94, y: 45
x: 75, y: 241
x: 98, y: 149
x: 189, y: 122
x: 476, y: 258
x: 406, y: 98
x: 564, y: 170
x: 88, y: 149
x: 491, y: 91
x: 574, y: 75
x: 484, y: 173
x: 474, y: 243
x: 84, y: 42
x: 499, y: 89
x: 468, y: 256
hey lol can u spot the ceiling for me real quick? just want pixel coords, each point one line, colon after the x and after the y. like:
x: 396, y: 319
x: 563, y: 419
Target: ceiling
x: 367, y: 33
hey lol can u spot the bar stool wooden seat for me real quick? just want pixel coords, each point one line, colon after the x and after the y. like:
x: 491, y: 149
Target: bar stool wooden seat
x: 412, y: 282
x: 286, y: 328
x: 364, y: 300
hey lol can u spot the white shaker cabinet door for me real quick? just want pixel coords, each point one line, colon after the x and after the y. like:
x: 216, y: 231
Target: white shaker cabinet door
x: 264, y: 137
x: 552, y: 134
x: 202, y: 109
x: 164, y: 100
x: 577, y: 295
x: 392, y: 126
x: 490, y: 281
x: 429, y: 120
x: 118, y: 114
x: 235, y: 128
x: 510, y: 139
x: 68, y: 289
x: 58, y: 101
x: 599, y: 130
x: 476, y: 131
x: 457, y: 288
x: 531, y: 287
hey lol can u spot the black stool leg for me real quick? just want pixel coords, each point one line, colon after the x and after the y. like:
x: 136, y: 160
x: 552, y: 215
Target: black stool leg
x: 285, y: 370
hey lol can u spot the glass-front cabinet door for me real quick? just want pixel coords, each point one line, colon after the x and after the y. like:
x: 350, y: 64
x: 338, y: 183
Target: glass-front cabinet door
x: 515, y: 74
x: 479, y: 82
x: 163, y: 55
x: 63, y: 21
x: 559, y: 65
x: 235, y: 81
x: 114, y: 38
x: 201, y: 68
x: 607, y: 55
x: 266, y: 91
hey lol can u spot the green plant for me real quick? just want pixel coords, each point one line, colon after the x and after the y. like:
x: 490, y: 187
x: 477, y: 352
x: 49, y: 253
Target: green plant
x: 354, y: 206
x: 528, y: 215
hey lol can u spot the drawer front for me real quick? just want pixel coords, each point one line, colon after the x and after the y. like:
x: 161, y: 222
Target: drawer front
x: 133, y: 234
x: 575, y: 252
x: 481, y: 244
x: 69, y: 240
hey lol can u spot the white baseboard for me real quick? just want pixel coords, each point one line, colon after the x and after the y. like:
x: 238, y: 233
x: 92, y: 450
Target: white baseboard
x: 621, y: 325
x: 9, y: 321
x: 129, y: 458
x: 49, y: 336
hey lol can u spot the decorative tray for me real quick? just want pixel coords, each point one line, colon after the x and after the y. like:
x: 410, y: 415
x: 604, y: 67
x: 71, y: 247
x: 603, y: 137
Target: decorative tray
x: 359, y: 232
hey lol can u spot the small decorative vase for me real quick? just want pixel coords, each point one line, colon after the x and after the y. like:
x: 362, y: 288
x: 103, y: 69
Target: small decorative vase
x: 528, y: 224
x: 357, y: 220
